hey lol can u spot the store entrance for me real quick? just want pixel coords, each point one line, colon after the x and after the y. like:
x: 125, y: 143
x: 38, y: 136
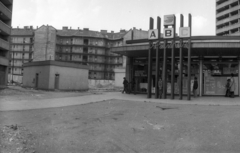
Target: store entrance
x: 140, y: 69
x: 215, y: 75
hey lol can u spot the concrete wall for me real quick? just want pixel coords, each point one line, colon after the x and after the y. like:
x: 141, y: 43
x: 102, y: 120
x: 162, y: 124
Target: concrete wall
x: 44, y: 43
x: 101, y: 83
x: 120, y: 73
x: 69, y: 78
x: 29, y: 77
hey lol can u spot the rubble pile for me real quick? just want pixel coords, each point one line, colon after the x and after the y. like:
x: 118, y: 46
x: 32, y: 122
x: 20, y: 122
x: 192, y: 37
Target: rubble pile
x: 16, y: 139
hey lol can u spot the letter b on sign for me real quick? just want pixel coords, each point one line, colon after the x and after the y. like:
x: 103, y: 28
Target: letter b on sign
x: 168, y: 33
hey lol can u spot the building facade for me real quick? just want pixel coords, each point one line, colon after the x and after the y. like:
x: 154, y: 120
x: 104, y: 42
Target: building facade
x: 21, y: 52
x: 80, y: 46
x: 5, y: 28
x: 213, y: 60
x: 227, y: 17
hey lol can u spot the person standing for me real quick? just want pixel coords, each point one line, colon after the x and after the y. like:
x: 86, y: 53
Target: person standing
x: 195, y: 86
x: 232, y: 86
x: 160, y: 87
x: 125, y: 85
x: 228, y: 88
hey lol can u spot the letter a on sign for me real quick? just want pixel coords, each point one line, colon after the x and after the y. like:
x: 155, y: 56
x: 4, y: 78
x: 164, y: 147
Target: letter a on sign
x: 153, y: 34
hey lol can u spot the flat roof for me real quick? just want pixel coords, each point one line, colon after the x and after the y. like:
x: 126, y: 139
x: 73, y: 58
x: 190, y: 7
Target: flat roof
x: 201, y: 46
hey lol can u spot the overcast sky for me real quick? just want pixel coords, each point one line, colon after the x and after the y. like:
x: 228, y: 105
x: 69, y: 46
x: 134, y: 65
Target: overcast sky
x: 112, y: 15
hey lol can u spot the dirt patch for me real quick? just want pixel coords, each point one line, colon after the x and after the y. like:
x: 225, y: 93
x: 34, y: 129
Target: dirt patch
x: 131, y: 127
x: 16, y: 139
x: 17, y: 93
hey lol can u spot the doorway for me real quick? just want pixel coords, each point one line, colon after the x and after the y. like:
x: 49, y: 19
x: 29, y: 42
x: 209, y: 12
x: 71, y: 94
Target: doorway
x: 56, y: 84
x: 36, y: 82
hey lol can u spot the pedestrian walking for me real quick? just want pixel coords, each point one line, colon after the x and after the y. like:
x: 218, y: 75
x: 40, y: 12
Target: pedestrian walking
x: 125, y: 85
x: 195, y: 86
x: 160, y: 87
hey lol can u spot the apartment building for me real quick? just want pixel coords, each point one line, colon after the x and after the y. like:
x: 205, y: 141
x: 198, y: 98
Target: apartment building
x: 91, y: 48
x: 21, y: 52
x: 5, y: 31
x: 81, y: 46
x: 227, y: 17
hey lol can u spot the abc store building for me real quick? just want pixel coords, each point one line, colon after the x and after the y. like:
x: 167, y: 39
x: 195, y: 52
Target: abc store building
x: 213, y: 60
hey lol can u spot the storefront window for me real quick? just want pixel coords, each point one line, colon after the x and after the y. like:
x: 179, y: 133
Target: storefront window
x: 215, y: 75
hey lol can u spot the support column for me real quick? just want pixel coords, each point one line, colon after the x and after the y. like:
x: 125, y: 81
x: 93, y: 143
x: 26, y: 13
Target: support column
x: 149, y: 92
x: 200, y: 76
x: 238, y: 76
x: 189, y: 57
x: 180, y: 61
x: 157, y: 58
x: 128, y: 68
x: 173, y: 61
x: 164, y: 70
x: 131, y: 69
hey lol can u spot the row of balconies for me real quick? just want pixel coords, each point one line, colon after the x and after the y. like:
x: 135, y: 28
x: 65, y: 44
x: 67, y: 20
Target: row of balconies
x: 6, y: 13
x: 236, y: 8
x: 227, y: 20
x: 228, y: 28
x: 88, y: 61
x: 224, y: 3
x: 84, y: 53
x: 84, y: 44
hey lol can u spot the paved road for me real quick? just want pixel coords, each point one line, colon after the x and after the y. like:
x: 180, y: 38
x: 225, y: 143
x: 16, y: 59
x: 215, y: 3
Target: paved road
x: 68, y: 101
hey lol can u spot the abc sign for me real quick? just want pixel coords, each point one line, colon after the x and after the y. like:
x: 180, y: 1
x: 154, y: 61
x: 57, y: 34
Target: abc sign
x: 168, y: 33
x: 184, y: 32
x: 153, y: 34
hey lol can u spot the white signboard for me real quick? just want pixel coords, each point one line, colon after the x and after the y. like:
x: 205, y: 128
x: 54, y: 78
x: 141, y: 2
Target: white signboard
x: 184, y: 32
x: 168, y: 33
x: 169, y: 19
x: 153, y: 34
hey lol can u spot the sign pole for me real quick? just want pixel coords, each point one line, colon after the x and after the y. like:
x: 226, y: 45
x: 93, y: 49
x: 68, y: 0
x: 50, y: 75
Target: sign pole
x: 149, y: 90
x: 189, y: 56
x: 173, y: 60
x: 164, y: 74
x: 180, y: 61
x: 157, y: 58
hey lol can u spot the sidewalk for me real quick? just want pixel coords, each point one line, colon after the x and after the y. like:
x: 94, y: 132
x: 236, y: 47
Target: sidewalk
x: 68, y: 101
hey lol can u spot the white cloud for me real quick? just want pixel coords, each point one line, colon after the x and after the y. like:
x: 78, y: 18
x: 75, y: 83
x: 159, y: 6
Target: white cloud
x: 96, y: 9
x: 199, y: 22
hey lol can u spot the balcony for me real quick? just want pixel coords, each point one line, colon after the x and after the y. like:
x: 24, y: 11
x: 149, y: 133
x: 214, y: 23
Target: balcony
x: 3, y: 61
x: 7, y: 2
x: 4, y: 44
x: 228, y: 11
x: 227, y: 19
x: 6, y: 13
x: 225, y: 4
x: 5, y: 29
x: 230, y: 27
